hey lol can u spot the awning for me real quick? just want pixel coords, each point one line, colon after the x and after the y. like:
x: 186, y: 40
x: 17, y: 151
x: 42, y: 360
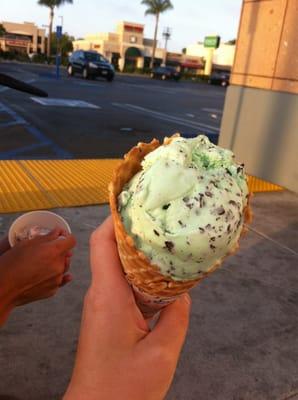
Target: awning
x: 192, y: 65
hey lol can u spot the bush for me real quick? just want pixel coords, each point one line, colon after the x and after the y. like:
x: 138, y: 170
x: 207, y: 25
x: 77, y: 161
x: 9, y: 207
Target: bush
x: 195, y: 78
x: 13, y: 55
x: 39, y: 58
x: 130, y: 69
x: 146, y: 70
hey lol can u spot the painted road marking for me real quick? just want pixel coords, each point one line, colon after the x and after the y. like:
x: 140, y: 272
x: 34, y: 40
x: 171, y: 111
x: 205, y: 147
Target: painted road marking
x: 9, y: 123
x: 153, y: 88
x: 42, y: 140
x: 52, y: 102
x: 212, y: 110
x: 196, y: 91
x: 167, y: 117
x: 11, y: 154
x: 94, y: 85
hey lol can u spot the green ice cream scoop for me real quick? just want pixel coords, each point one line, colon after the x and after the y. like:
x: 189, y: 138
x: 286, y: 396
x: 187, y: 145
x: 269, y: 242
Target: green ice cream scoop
x: 185, y: 208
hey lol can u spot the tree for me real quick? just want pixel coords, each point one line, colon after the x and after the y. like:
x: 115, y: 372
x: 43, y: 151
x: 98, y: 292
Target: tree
x: 2, y: 30
x: 51, y: 4
x: 65, y: 44
x: 156, y: 7
x: 233, y: 41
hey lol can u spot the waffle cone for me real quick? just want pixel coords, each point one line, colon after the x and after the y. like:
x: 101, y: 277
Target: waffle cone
x: 139, y: 271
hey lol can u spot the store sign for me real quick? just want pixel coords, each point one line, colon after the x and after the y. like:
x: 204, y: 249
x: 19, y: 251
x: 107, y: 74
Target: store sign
x: 17, y: 42
x: 133, y: 28
x: 212, y: 41
x: 174, y: 56
x: 193, y: 65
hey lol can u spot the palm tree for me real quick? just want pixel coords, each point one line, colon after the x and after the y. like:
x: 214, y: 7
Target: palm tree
x: 2, y: 30
x: 156, y: 7
x: 52, y: 4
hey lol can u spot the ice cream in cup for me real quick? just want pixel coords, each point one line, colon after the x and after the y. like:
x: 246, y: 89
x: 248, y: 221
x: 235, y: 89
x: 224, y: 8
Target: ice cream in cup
x: 179, y: 210
x: 35, y: 223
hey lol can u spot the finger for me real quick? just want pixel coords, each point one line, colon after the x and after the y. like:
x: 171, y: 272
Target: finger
x: 4, y: 245
x: 51, y: 236
x: 171, y: 328
x: 64, y: 232
x: 66, y: 279
x: 106, y: 267
x: 64, y: 245
x: 66, y: 264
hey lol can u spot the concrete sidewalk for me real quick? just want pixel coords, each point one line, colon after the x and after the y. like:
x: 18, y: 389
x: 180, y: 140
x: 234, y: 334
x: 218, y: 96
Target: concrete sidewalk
x: 243, y: 337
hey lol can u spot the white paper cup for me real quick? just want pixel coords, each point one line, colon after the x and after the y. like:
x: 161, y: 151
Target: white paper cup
x: 44, y: 219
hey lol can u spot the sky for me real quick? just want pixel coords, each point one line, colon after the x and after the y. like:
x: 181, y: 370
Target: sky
x: 190, y: 20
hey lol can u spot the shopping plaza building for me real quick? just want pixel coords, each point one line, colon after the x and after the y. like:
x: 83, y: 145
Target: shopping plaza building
x: 128, y: 47
x: 25, y: 38
x: 222, y: 58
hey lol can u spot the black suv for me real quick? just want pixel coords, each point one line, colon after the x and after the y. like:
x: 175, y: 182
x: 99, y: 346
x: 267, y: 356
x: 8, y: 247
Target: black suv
x: 220, y: 78
x: 165, y: 73
x: 90, y: 64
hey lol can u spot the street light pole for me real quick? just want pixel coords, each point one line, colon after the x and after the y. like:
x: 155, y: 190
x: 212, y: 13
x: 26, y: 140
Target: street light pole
x: 167, y: 32
x: 48, y: 27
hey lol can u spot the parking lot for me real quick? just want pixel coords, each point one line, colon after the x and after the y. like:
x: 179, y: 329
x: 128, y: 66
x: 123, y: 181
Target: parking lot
x: 100, y: 119
x: 242, y: 342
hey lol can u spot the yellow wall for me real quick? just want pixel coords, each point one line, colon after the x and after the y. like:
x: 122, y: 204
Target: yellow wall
x: 267, y: 46
x: 260, y: 116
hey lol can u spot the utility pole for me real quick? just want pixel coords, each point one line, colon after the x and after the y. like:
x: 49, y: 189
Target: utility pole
x: 48, y: 27
x: 167, y: 33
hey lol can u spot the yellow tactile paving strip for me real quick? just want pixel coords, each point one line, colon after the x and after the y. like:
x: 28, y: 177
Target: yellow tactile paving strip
x: 258, y: 185
x: 32, y: 185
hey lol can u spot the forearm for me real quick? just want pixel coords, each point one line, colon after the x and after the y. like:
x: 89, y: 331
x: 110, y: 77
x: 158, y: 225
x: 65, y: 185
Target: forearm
x: 6, y: 308
x: 6, y: 301
x: 4, y: 245
x: 6, y: 290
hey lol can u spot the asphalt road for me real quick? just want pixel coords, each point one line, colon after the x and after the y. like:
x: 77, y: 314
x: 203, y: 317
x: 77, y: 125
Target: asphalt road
x: 114, y: 117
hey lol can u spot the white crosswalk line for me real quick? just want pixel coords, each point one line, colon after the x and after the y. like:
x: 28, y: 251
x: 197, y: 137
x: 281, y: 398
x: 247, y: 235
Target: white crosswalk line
x: 167, y: 117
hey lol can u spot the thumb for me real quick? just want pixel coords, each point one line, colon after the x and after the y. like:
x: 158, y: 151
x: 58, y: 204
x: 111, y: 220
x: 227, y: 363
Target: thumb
x: 50, y: 236
x: 171, y: 328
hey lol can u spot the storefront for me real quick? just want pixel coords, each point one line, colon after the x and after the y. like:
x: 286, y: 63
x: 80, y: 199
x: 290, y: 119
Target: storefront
x: 185, y: 63
x: 125, y: 48
x: 23, y: 38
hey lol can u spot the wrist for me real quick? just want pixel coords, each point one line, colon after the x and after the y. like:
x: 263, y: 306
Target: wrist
x: 5, y: 310
x: 6, y: 307
x: 7, y: 292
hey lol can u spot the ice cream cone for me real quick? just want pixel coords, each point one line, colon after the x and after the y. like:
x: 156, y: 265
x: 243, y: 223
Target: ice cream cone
x: 152, y: 289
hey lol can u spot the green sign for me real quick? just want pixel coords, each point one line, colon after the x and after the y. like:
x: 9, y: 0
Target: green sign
x: 212, y: 41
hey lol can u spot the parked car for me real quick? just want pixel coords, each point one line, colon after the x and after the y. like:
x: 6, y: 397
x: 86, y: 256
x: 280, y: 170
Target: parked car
x: 90, y: 64
x: 165, y: 73
x: 220, y: 78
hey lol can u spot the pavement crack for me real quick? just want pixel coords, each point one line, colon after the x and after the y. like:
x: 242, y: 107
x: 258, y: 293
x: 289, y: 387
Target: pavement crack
x: 272, y: 240
x: 292, y: 395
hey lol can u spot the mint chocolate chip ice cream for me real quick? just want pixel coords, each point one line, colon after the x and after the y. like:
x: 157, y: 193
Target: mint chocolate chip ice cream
x: 185, y: 208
